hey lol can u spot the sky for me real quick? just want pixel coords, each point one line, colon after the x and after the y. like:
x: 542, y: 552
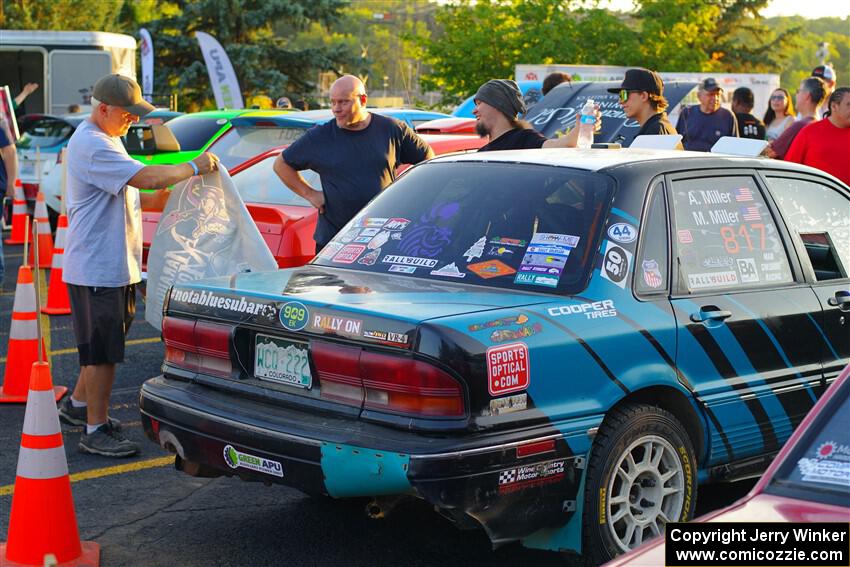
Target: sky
x: 808, y: 9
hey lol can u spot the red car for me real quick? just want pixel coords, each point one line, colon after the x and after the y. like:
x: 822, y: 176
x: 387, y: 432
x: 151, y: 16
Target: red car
x: 285, y: 220
x: 809, y: 481
x: 452, y: 125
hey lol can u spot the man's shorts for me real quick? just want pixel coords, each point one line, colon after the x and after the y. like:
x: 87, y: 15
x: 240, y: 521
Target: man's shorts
x: 102, y: 317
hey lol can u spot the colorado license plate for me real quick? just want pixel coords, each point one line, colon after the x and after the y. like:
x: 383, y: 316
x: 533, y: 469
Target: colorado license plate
x: 282, y: 361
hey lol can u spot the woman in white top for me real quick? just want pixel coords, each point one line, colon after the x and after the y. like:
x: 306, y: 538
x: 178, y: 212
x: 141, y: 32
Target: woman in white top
x: 779, y: 115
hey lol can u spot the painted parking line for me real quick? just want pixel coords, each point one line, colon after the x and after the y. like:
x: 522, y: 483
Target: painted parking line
x: 106, y: 471
x: 74, y: 350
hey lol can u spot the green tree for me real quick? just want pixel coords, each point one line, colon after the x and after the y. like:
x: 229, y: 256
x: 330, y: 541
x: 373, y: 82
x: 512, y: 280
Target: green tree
x: 82, y: 15
x: 264, y: 62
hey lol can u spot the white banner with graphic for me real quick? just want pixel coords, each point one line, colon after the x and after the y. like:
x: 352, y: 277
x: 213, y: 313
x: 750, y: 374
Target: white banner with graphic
x: 223, y: 78
x: 204, y: 231
x: 146, y: 50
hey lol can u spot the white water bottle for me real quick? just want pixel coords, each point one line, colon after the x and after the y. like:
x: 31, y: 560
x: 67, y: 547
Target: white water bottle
x: 586, y: 124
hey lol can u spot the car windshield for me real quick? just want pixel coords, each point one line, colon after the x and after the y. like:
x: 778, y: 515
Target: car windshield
x: 44, y: 133
x: 506, y: 225
x: 241, y: 143
x: 260, y: 184
x: 818, y: 469
x: 193, y: 132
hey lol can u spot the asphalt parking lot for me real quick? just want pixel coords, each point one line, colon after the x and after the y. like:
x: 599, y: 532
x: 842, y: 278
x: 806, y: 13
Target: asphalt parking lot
x: 143, y: 512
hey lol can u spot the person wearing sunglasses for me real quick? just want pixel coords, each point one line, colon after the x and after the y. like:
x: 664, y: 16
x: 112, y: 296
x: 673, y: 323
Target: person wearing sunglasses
x: 701, y: 125
x: 779, y: 114
x: 809, y: 97
x: 642, y: 98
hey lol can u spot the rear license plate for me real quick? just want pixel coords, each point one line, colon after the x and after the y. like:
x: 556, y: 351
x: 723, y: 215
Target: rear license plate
x: 282, y: 361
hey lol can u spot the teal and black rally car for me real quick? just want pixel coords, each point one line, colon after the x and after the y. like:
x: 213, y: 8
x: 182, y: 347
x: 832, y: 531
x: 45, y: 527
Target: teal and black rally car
x: 557, y: 346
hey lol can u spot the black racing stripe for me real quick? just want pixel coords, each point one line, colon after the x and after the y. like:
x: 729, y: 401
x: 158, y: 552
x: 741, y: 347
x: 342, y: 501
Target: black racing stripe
x: 727, y: 371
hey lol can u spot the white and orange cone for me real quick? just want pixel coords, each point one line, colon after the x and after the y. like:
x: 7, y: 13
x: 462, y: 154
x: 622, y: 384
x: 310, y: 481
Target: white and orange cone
x: 23, y: 343
x: 19, y: 215
x: 43, y: 521
x: 45, y: 240
x: 58, y: 301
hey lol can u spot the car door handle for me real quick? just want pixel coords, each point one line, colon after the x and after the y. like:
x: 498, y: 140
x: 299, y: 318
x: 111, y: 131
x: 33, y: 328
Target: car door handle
x: 841, y: 300
x: 710, y: 314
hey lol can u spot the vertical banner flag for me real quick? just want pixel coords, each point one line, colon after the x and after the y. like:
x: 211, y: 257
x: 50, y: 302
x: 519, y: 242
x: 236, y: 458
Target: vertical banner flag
x: 146, y: 49
x: 223, y: 78
x: 205, y: 231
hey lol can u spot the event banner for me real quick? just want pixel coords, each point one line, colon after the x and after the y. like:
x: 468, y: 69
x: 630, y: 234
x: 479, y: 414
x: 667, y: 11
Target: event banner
x: 146, y: 50
x: 205, y: 231
x: 222, y: 76
x: 757, y: 544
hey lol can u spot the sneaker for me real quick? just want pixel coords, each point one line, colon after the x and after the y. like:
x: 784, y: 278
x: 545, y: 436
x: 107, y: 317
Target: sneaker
x: 71, y: 415
x: 107, y: 442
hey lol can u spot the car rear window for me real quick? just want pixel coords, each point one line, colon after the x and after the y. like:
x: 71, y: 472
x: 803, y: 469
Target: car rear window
x: 193, y: 132
x: 260, y: 184
x: 241, y: 143
x: 519, y: 226
x: 44, y: 133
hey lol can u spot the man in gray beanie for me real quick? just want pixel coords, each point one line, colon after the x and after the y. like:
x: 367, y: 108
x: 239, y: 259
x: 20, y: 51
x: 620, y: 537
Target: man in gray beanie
x: 497, y: 104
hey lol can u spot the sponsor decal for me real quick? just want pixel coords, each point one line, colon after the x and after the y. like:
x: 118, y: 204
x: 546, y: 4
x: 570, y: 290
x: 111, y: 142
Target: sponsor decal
x: 294, y: 315
x: 349, y: 235
x: 711, y: 279
x: 491, y: 269
x: 747, y: 267
x: 538, y: 474
x: 552, y: 238
x: 502, y: 335
x: 449, y: 270
x: 507, y: 368
x: 336, y: 324
x: 209, y: 299
x: 348, y: 254
x: 377, y: 335
x: 431, y: 234
x: 379, y: 240
x: 400, y: 338
x: 543, y: 263
x: 615, y: 264
x: 652, y: 276
x: 830, y: 465
x: 768, y: 256
x: 409, y: 261
x: 370, y: 258
x: 593, y: 310
x: 371, y: 222
x: 716, y: 262
x: 685, y: 236
x: 396, y: 224
x: 502, y: 241
x: 330, y: 250
x: 396, y: 236
x: 402, y: 269
x: 499, y: 251
x: 772, y: 267
x: 362, y: 240
x: 509, y: 404
x: 236, y: 459
x: 370, y: 231
x: 622, y: 232
x: 503, y: 322
x: 476, y: 250
x: 386, y: 336
x: 536, y: 279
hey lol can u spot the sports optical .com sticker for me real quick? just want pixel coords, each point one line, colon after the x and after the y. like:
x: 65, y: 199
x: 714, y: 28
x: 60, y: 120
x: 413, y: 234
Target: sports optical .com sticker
x: 236, y: 459
x: 507, y: 369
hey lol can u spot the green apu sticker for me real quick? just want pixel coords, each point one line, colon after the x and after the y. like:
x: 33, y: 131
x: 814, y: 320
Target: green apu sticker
x: 294, y: 315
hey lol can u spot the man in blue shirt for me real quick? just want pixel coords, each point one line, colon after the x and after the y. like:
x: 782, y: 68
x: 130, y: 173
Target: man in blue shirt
x: 701, y: 125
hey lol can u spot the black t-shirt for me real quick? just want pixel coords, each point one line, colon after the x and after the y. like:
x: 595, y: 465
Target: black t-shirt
x: 750, y: 127
x: 658, y: 125
x: 4, y: 141
x: 516, y: 139
x: 355, y: 165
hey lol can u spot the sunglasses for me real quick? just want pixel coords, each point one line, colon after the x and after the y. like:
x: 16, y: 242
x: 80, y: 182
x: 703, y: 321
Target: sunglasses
x: 777, y: 97
x: 624, y: 94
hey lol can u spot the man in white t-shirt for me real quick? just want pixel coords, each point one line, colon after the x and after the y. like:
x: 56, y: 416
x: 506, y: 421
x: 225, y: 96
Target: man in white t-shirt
x: 103, y: 252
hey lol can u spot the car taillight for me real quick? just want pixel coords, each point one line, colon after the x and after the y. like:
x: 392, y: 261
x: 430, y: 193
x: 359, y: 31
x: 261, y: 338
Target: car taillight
x: 385, y: 382
x: 199, y: 346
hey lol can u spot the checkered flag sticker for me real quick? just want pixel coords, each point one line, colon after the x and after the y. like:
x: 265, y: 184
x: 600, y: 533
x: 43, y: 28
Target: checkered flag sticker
x: 507, y: 477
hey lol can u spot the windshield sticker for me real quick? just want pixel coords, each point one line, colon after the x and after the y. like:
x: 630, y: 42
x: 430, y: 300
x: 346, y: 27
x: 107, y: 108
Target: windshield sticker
x: 502, y: 241
x: 322, y: 322
x: 540, y: 474
x: 430, y: 237
x: 593, y: 310
x: 685, y: 236
x: 330, y: 251
x: 476, y: 250
x: 409, y: 261
x: 371, y: 222
x: 747, y: 268
x: 517, y: 402
x: 349, y: 235
x: 449, y: 270
x: 236, y: 459
x: 502, y: 335
x: 717, y: 262
x: 402, y: 269
x: 536, y: 279
x: 828, y: 472
x: 294, y: 315
x: 503, y: 322
x: 543, y: 264
x: 387, y: 336
x: 349, y: 253
x: 362, y: 239
x: 370, y: 258
x: 499, y: 251
x: 379, y: 240
x: 396, y: 236
x: 370, y: 231
x: 507, y: 368
x: 491, y: 269
x: 615, y: 264
x: 712, y: 279
x: 396, y: 224
x: 652, y: 275
x: 622, y: 232
x: 552, y: 238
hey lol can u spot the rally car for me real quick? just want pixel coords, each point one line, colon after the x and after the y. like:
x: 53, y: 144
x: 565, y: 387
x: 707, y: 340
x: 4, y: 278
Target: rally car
x: 556, y: 346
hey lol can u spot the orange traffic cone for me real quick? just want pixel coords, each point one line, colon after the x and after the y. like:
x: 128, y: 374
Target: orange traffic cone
x: 58, y: 301
x: 19, y: 214
x: 43, y: 521
x: 23, y: 342
x: 45, y: 241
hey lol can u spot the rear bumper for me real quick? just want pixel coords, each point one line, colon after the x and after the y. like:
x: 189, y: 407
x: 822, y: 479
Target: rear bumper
x: 479, y: 477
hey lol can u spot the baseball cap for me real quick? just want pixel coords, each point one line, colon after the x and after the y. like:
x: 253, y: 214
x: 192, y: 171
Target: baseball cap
x: 641, y: 80
x: 825, y: 72
x: 123, y: 92
x: 710, y: 85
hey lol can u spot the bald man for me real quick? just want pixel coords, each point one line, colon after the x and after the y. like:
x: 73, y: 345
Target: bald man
x: 355, y: 154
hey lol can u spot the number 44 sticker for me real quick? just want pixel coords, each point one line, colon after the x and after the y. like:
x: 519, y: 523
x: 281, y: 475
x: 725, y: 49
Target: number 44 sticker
x: 622, y: 232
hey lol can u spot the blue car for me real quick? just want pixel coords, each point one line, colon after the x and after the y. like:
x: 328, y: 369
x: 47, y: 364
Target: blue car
x: 555, y: 346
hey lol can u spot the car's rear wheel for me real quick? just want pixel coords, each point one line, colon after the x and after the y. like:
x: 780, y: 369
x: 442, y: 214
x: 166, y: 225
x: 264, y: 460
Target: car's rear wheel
x: 641, y: 475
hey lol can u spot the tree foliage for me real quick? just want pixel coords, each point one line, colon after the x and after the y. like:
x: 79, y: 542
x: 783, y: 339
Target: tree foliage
x: 81, y: 15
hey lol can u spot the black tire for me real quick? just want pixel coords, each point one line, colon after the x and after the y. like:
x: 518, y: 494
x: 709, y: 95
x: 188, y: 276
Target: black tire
x: 625, y: 505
